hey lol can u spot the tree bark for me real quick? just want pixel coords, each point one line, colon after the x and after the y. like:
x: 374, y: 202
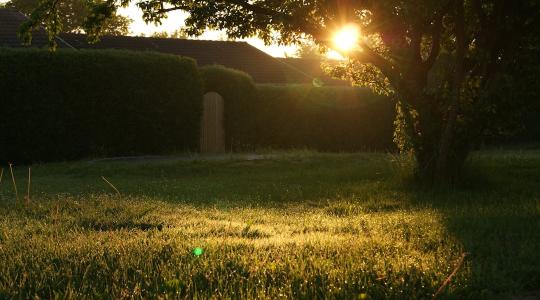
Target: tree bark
x: 447, y: 136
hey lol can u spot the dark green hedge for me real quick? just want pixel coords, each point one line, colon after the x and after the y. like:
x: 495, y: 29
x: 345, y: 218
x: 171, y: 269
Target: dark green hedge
x: 323, y: 118
x: 299, y: 116
x: 72, y: 104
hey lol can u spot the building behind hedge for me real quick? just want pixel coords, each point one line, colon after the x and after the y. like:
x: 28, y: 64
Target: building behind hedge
x: 262, y: 67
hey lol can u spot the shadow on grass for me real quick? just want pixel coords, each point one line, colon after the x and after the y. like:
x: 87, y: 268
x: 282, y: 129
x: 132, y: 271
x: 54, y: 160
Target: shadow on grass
x: 232, y: 182
x: 494, y: 212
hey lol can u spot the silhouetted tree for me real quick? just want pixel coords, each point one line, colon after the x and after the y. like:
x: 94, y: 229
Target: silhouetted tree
x: 72, y: 14
x: 177, y: 34
x: 309, y: 50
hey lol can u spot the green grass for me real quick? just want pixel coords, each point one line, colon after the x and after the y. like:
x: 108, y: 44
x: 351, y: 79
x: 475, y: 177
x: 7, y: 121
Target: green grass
x: 293, y: 225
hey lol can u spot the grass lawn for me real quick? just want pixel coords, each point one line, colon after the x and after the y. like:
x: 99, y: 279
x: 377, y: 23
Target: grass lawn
x: 294, y: 225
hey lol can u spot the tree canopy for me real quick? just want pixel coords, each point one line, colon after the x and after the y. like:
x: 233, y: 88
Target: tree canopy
x: 309, y: 50
x: 442, y: 61
x: 69, y: 16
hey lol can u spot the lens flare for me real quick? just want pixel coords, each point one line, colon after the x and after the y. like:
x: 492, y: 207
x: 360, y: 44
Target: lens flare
x: 346, y: 38
x: 198, y: 251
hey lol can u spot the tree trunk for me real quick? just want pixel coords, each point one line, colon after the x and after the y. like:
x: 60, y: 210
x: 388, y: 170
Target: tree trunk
x: 426, y: 151
x: 445, y: 156
x: 436, y: 167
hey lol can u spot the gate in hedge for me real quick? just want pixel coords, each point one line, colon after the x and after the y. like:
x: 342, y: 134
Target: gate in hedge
x: 212, y: 131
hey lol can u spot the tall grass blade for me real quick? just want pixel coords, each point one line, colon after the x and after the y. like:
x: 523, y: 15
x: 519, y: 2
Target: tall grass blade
x: 14, y: 183
x: 447, y: 281
x: 29, y: 184
x: 111, y: 185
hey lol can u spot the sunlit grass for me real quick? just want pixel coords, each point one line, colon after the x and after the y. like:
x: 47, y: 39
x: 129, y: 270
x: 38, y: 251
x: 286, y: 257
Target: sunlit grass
x: 293, y: 225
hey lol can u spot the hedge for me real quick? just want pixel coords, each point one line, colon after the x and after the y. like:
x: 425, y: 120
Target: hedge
x: 322, y: 118
x: 72, y: 104
x: 300, y: 116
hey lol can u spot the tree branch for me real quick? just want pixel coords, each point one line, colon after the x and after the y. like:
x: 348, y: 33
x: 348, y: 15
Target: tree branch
x: 416, y: 41
x: 435, y: 42
x: 258, y: 9
x: 305, y: 27
x: 477, y: 6
x: 166, y: 10
x: 449, y: 130
x: 368, y: 55
x: 436, y: 36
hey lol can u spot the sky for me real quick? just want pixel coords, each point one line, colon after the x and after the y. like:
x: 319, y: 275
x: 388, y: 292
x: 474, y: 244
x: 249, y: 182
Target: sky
x: 175, y: 20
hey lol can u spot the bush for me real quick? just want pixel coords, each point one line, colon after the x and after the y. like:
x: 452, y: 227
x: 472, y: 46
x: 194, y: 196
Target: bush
x: 72, y: 104
x: 239, y: 93
x: 322, y: 118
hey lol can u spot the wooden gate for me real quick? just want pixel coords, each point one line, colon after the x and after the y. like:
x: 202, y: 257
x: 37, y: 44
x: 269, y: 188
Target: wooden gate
x: 212, y: 132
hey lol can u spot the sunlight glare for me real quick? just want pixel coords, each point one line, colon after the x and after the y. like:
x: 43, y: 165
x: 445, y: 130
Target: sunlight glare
x: 346, y: 38
x: 335, y: 55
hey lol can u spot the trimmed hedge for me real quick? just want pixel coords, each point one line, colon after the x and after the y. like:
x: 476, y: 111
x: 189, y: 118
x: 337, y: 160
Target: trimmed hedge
x: 323, y: 118
x: 73, y: 104
x: 299, y: 116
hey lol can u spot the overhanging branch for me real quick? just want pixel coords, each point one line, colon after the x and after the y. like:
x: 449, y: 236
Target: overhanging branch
x: 281, y: 17
x: 368, y: 55
x: 436, y: 34
x: 258, y: 9
x: 435, y: 42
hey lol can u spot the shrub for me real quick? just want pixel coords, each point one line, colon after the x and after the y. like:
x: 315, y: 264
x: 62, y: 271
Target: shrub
x: 322, y: 118
x: 71, y: 104
x: 239, y: 94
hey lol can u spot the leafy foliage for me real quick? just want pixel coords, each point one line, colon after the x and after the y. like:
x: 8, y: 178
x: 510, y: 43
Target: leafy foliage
x: 72, y: 104
x: 309, y: 51
x: 518, y: 94
x: 72, y: 15
x: 177, y: 34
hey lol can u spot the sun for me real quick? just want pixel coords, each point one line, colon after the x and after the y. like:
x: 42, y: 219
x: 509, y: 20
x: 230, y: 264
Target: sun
x: 346, y: 38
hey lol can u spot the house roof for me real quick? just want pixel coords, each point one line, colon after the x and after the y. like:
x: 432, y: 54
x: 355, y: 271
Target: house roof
x: 10, y: 21
x: 311, y: 68
x: 238, y: 55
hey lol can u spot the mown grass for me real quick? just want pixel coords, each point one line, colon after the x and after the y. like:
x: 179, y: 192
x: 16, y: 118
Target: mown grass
x: 293, y: 225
